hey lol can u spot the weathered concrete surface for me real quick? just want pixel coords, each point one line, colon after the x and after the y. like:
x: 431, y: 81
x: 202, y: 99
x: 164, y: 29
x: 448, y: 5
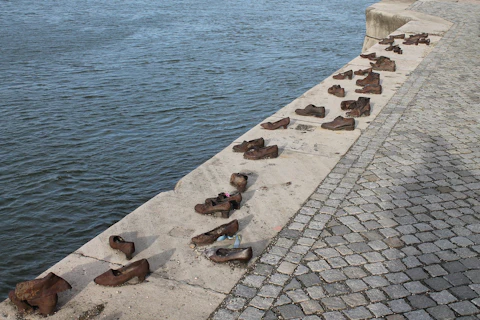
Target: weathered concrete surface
x: 387, y: 16
x: 393, y: 232
x: 185, y: 285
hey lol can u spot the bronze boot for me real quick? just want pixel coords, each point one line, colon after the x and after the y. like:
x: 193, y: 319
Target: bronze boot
x: 223, y: 255
x: 239, y: 181
x: 348, y: 104
x: 247, y: 145
x: 370, y: 88
x: 398, y: 36
x: 372, y: 78
x: 235, y: 199
x: 383, y: 64
x: 228, y: 229
x: 43, y: 287
x: 22, y: 306
x: 363, y: 72
x: 277, y: 124
x: 115, y: 278
x: 362, y: 108
x: 118, y: 243
x: 215, y: 208
x: 46, y: 305
x: 387, y: 41
x: 337, y: 90
x: 340, y: 123
x: 341, y: 76
x: 311, y: 110
x: 262, y: 153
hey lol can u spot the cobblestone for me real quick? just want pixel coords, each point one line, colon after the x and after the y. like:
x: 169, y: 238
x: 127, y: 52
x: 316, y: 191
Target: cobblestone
x: 393, y: 232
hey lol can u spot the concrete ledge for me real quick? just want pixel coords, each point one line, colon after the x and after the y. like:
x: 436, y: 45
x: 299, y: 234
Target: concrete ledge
x: 387, y: 16
x: 184, y: 284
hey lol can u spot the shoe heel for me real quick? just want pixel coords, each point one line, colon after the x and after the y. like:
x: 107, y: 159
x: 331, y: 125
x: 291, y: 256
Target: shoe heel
x: 141, y: 278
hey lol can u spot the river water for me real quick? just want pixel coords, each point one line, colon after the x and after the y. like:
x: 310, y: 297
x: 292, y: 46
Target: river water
x: 104, y: 104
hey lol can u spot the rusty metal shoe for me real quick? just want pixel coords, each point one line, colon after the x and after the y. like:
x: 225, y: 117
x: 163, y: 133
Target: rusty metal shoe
x: 348, y: 104
x: 363, y: 72
x: 425, y: 41
x: 398, y: 36
x: 41, y: 293
x: 362, y: 108
x: 228, y: 229
x: 312, y: 110
x: 262, y: 153
x: 369, y: 56
x: 340, y: 123
x: 118, y: 243
x: 387, y: 41
x: 337, y: 90
x: 22, y: 306
x: 215, y: 208
x: 398, y: 50
x: 115, y: 278
x: 383, y: 64
x: 235, y: 199
x: 341, y: 76
x: 370, y: 88
x: 277, y: 124
x: 239, y: 181
x: 247, y: 145
x: 371, y: 78
x: 222, y: 255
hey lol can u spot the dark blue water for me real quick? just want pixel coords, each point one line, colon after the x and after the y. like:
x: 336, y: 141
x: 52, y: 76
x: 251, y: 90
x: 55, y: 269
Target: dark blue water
x: 104, y: 104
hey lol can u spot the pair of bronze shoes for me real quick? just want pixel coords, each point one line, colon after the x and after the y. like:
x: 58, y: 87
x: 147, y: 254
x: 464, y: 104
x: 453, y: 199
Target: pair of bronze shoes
x: 40, y: 293
x: 370, y: 84
x: 340, y: 123
x: 221, y: 205
x: 369, y: 56
x: 362, y: 72
x: 256, y: 150
x: 417, y: 38
x: 311, y: 110
x: 344, y: 75
x: 357, y: 108
x: 383, y: 64
x: 391, y: 39
x: 277, y: 124
x: 394, y: 48
x: 337, y: 90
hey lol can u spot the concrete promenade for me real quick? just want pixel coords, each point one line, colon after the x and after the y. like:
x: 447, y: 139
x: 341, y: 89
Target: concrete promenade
x: 393, y: 232
x: 379, y: 222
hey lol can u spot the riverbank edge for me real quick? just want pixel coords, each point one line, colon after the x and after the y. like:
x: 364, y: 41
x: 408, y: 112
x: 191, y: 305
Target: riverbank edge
x: 183, y: 283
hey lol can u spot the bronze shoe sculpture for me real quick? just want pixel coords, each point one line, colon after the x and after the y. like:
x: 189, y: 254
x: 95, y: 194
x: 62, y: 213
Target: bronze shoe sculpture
x: 312, y: 110
x: 228, y: 229
x: 370, y: 88
x: 398, y: 50
x: 387, y: 41
x: 362, y: 108
x: 363, y: 72
x: 247, y: 145
x: 239, y: 181
x: 234, y: 198
x: 371, y: 78
x: 262, y: 153
x: 337, y: 90
x: 369, y: 56
x: 223, y: 255
x: 277, y: 124
x: 41, y: 293
x: 118, y: 243
x: 215, y: 208
x: 348, y: 104
x: 341, y: 76
x: 398, y: 36
x: 383, y: 64
x: 115, y: 278
x: 340, y: 123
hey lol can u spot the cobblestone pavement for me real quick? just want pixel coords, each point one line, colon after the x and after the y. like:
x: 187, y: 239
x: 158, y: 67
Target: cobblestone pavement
x: 393, y: 232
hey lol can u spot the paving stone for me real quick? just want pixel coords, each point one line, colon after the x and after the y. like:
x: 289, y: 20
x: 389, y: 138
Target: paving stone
x: 286, y: 267
x: 334, y: 315
x: 270, y: 315
x: 421, y: 301
x: 415, y: 287
x: 464, y: 308
x: 333, y: 303
x: 417, y: 274
x: 379, y: 309
x: 358, y: 313
x: 223, y: 314
x: 292, y: 285
x: 376, y: 281
x: 398, y: 277
x: 335, y: 289
x: 283, y: 299
x: 457, y: 279
x: 463, y: 292
x: 301, y: 269
x: 396, y: 291
x: 261, y: 303
x: 318, y: 266
x: 279, y: 279
x: 316, y: 292
x: 375, y: 268
x: 356, y: 285
x: 355, y: 260
x: 354, y: 272
x: 290, y: 311
x: 399, y: 306
x: 332, y: 275
x: 441, y: 312
x: 270, y: 291
x: 244, y: 291
x: 311, y: 307
x: 251, y: 313
x: 297, y: 295
x: 435, y: 270
x: 354, y: 300
x: 418, y: 315
x: 254, y: 281
x: 438, y: 283
x: 443, y: 297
